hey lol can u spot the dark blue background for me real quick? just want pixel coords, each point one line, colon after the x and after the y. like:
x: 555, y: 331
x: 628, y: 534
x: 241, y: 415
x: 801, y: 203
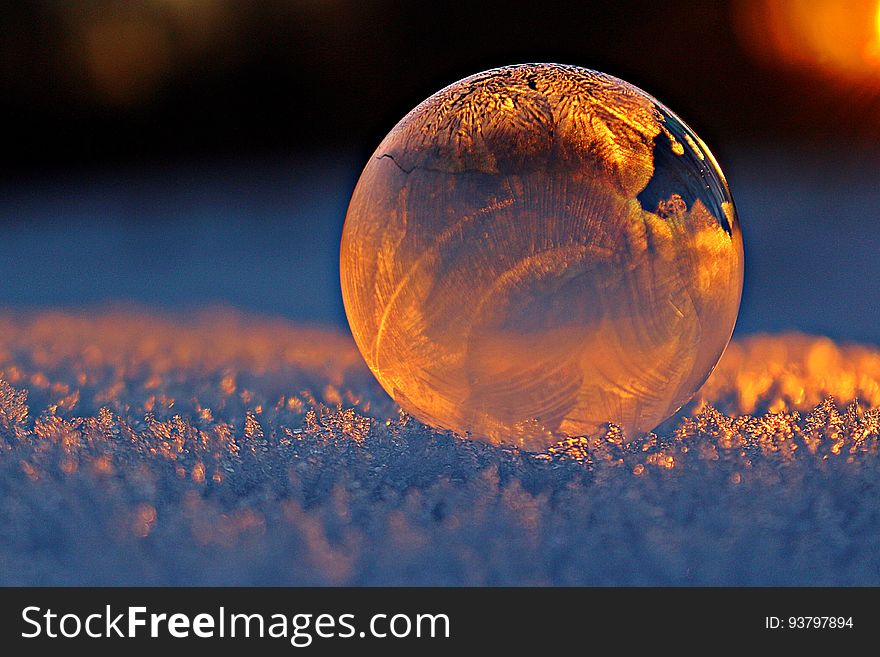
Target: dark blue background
x: 263, y: 235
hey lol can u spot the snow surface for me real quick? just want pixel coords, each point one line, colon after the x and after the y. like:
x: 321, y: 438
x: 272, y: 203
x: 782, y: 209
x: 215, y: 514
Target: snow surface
x: 224, y: 449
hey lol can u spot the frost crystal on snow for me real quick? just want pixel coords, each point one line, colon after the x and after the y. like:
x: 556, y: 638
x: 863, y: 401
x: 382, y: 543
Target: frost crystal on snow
x: 220, y: 450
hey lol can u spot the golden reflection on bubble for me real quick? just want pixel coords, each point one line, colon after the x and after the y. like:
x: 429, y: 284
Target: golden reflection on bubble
x: 538, y: 250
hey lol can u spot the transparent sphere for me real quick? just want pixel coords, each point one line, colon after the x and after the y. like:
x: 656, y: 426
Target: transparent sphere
x: 538, y: 250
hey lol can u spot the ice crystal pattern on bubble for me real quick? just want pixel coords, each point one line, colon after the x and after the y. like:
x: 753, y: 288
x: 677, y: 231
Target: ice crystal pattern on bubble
x: 538, y: 250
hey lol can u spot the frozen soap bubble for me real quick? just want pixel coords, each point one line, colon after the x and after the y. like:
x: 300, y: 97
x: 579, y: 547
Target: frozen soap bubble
x: 537, y: 250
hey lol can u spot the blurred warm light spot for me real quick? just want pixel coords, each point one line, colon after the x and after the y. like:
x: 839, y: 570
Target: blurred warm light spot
x: 837, y: 38
x: 30, y: 471
x: 793, y: 372
x: 123, y: 54
x: 125, y: 58
x: 127, y: 51
x: 877, y: 23
x: 144, y: 520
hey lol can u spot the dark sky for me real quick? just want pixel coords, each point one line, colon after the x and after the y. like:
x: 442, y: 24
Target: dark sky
x: 103, y: 82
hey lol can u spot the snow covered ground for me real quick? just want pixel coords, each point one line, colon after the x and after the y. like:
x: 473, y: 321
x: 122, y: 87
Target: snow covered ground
x: 217, y: 448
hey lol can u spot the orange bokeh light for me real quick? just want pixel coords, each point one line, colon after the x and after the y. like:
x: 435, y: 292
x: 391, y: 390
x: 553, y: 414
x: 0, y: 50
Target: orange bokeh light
x: 835, y: 38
